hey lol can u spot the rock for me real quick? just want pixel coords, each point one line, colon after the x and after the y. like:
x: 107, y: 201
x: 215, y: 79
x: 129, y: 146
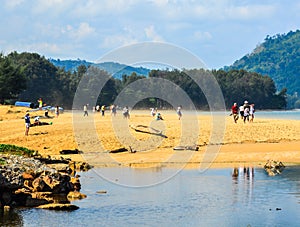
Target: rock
x: 27, y: 176
x: 31, y: 202
x: 76, y: 183
x: 59, y: 206
x: 38, y: 184
x: 6, y: 208
x: 42, y: 195
x: 75, y: 151
x: 274, y: 167
x: 29, y: 182
x: 62, y: 167
x: 76, y: 195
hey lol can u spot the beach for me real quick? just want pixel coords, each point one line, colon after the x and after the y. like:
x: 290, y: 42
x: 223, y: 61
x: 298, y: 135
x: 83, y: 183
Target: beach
x: 221, y: 142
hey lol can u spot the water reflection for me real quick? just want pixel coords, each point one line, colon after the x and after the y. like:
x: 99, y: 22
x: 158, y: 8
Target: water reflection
x: 242, y: 183
x: 10, y: 218
x: 239, y: 196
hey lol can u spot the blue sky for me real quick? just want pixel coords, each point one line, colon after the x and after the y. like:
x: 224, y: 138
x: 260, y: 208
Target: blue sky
x: 217, y: 31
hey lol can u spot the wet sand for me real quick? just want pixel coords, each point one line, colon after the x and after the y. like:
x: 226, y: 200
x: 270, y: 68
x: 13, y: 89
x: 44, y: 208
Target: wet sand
x: 222, y: 143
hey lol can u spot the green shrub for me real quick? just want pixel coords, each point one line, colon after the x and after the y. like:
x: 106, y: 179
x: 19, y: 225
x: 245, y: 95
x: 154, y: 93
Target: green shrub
x: 2, y: 161
x: 13, y: 149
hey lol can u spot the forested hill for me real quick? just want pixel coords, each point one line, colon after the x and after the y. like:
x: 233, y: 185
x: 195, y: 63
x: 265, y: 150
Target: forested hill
x: 114, y: 68
x: 278, y: 57
x: 29, y: 76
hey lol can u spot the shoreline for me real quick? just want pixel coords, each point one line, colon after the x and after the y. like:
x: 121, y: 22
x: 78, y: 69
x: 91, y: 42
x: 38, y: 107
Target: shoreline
x: 250, y: 144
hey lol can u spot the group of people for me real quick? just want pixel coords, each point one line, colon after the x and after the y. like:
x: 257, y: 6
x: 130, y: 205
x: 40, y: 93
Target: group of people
x: 102, y: 109
x: 37, y: 121
x: 245, y: 111
x: 154, y: 113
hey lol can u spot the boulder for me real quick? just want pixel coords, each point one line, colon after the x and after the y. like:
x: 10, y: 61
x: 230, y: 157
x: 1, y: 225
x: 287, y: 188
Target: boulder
x: 59, y: 206
x: 73, y: 195
x: 274, y: 167
x: 31, y: 202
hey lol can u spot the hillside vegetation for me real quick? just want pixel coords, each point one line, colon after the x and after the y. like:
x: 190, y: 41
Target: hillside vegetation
x: 29, y: 76
x: 278, y: 57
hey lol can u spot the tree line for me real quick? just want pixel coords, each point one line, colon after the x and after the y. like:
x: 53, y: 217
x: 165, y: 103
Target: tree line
x: 29, y: 76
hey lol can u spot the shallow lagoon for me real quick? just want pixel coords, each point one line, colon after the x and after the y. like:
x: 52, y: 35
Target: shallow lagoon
x: 189, y: 198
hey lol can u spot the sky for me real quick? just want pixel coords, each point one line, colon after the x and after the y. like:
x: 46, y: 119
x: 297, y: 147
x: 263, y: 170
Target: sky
x: 218, y: 32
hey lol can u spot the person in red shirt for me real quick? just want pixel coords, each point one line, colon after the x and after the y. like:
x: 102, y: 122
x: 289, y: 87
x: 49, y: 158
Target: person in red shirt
x: 235, y: 112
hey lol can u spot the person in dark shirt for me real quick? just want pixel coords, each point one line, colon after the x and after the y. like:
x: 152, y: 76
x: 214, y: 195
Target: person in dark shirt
x: 27, y: 124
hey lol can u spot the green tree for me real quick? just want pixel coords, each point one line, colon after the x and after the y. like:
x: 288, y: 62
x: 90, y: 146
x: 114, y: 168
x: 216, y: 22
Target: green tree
x: 12, y: 79
x: 40, y: 74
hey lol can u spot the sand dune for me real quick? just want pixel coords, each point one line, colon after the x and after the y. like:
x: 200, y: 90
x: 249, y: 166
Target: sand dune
x: 221, y: 142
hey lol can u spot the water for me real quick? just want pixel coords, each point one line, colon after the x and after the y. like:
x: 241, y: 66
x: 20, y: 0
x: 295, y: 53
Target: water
x: 190, y: 198
x: 276, y: 114
x: 290, y: 114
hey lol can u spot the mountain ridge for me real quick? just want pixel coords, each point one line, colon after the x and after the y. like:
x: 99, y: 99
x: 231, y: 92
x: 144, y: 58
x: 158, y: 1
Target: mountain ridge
x: 278, y: 57
x: 114, y: 68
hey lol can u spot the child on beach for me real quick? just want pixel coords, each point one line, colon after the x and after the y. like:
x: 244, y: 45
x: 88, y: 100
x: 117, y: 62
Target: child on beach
x: 126, y: 112
x: 246, y: 112
x: 57, y: 111
x: 27, y: 124
x: 158, y: 116
x: 179, y: 112
x: 85, y: 111
x: 251, y: 112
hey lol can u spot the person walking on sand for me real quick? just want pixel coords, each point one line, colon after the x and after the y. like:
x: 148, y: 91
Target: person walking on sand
x: 179, y: 112
x: 40, y: 102
x: 102, y: 110
x: 85, y: 111
x: 27, y: 124
x: 113, y: 108
x: 152, y: 112
x: 126, y: 112
x: 246, y: 111
x: 251, y: 112
x: 235, y: 112
x: 241, y: 109
x: 57, y: 111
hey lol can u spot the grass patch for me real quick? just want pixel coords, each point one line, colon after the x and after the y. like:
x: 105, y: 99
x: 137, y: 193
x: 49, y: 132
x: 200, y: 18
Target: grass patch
x: 16, y: 150
x: 2, y: 161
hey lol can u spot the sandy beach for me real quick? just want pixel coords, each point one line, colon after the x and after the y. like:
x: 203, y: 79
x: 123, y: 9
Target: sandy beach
x: 222, y: 143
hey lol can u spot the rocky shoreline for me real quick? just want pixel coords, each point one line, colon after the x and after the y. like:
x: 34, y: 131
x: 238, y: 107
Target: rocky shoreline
x: 39, y: 182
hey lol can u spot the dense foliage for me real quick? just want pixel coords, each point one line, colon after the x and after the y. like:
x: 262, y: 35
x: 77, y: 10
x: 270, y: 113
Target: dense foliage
x: 12, y: 79
x: 236, y: 85
x: 57, y: 86
x: 278, y: 57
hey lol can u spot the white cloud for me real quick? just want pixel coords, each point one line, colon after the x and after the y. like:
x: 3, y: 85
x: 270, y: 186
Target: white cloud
x: 250, y: 11
x: 152, y: 35
x: 159, y: 2
x: 83, y: 31
x: 75, y: 27
x: 11, y: 4
x: 216, y: 10
x: 202, y: 36
x: 95, y: 8
x: 44, y: 47
x: 114, y: 41
x: 52, y: 7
